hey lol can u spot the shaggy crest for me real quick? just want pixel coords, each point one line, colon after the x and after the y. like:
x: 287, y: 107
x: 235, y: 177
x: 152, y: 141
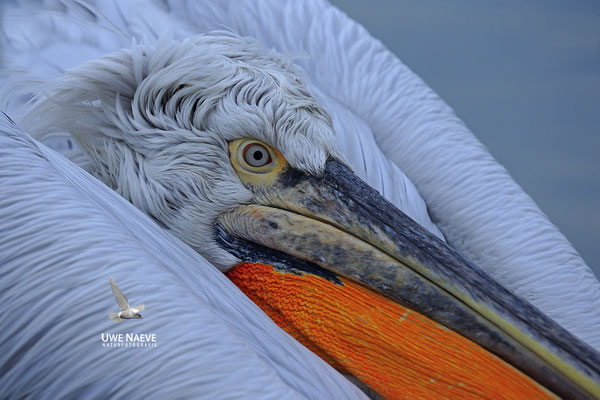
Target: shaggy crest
x: 155, y: 123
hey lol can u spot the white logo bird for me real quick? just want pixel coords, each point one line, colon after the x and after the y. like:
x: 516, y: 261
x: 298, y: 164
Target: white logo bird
x: 126, y: 311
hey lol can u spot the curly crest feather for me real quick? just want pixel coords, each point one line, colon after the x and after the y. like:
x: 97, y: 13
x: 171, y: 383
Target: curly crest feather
x: 155, y: 123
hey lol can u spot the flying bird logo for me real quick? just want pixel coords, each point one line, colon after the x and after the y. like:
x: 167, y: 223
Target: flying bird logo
x: 125, y: 310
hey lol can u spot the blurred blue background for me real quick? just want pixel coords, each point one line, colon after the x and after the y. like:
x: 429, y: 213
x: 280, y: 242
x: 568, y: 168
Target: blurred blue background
x: 525, y: 77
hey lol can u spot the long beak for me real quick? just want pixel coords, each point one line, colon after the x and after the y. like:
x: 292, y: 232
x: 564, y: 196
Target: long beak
x: 340, y: 224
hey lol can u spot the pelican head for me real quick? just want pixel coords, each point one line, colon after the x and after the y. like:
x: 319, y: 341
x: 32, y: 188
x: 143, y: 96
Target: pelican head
x: 222, y: 144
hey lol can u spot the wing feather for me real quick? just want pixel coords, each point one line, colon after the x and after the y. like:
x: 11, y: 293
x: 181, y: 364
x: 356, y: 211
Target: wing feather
x: 139, y: 308
x: 119, y: 296
x: 85, y: 232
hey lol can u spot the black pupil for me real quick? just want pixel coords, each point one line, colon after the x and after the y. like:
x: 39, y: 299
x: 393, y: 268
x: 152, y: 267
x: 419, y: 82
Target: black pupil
x: 258, y: 155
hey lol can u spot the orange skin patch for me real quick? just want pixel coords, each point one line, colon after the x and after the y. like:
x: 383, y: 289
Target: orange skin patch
x: 397, y: 352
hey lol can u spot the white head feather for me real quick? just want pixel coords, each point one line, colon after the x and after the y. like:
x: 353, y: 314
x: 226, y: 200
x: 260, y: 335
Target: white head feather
x: 156, y: 120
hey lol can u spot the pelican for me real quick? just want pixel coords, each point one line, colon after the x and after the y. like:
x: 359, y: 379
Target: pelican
x: 238, y: 158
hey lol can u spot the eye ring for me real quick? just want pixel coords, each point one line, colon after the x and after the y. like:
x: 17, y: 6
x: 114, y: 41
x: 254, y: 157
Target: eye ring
x: 256, y: 157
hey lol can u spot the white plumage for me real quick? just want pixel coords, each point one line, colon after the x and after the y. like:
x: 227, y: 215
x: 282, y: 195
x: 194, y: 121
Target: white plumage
x: 63, y: 234
x: 57, y: 222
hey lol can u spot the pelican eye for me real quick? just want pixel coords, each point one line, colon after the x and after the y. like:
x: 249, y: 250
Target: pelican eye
x: 255, y: 157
